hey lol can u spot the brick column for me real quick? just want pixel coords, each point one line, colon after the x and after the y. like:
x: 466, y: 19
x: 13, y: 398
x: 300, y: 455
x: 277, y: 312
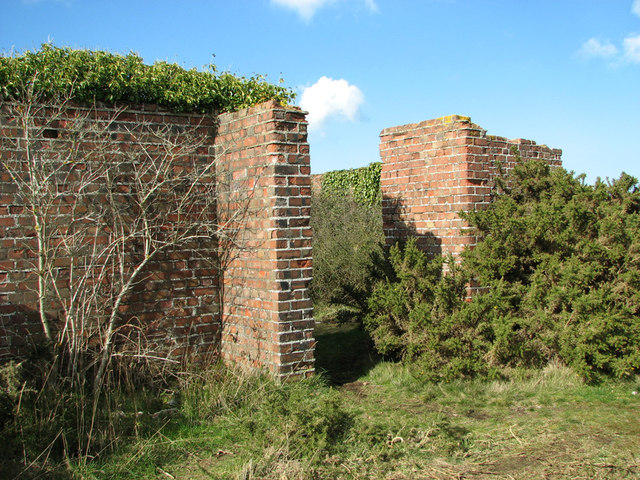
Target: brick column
x: 265, y: 191
x: 434, y: 169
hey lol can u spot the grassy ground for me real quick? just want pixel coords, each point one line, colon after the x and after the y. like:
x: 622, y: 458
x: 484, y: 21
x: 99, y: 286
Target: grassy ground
x: 367, y: 419
x: 343, y: 353
x: 546, y: 424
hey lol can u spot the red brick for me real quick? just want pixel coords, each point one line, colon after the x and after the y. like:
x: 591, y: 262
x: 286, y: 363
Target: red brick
x: 455, y: 156
x: 250, y: 277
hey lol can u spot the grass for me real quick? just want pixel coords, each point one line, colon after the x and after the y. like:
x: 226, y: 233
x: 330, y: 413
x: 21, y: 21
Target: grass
x: 343, y: 353
x: 369, y: 419
x: 532, y: 424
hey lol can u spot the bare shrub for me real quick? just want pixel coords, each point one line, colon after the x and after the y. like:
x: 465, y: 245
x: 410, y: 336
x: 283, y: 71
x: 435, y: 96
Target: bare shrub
x: 101, y: 215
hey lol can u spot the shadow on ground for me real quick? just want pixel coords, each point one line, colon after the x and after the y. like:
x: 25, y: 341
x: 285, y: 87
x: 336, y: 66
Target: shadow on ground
x: 344, y: 352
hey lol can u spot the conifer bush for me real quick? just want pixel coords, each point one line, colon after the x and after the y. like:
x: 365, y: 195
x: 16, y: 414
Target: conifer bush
x: 560, y: 260
x: 417, y: 316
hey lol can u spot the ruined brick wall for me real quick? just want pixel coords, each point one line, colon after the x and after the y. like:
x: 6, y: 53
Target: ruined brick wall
x: 267, y: 316
x: 178, y: 305
x: 175, y: 306
x: 434, y: 169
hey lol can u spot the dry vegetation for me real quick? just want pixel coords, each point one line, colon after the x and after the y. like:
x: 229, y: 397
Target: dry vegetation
x: 381, y: 424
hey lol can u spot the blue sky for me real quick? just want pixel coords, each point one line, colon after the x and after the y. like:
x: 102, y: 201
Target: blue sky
x: 565, y: 73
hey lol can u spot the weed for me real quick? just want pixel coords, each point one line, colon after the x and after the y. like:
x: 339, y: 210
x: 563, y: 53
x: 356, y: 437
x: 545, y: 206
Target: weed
x: 387, y: 423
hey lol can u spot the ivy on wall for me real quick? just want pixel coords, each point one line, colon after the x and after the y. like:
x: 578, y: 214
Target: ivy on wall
x: 89, y: 76
x: 362, y: 183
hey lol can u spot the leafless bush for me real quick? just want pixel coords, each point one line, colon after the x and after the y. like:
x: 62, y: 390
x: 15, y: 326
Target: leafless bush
x: 101, y: 215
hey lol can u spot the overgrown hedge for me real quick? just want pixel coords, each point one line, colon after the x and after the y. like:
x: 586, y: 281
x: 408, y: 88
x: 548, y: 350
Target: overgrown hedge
x: 347, y: 241
x: 90, y: 76
x: 346, y: 217
x: 561, y: 263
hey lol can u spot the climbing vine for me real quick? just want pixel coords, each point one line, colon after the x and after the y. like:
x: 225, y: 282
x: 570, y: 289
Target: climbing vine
x: 89, y: 76
x: 363, y: 184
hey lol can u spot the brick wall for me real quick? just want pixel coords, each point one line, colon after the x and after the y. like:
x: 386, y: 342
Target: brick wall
x: 434, y: 169
x: 267, y: 318
x: 263, y: 178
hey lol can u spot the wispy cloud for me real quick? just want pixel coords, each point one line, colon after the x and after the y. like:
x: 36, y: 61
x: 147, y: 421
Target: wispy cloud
x: 595, y: 48
x: 331, y: 98
x: 631, y: 46
x: 604, y: 49
x: 305, y: 8
x: 308, y: 8
x: 373, y: 6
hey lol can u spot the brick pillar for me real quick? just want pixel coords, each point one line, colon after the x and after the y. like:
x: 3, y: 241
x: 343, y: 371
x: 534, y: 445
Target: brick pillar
x: 265, y: 192
x: 434, y: 169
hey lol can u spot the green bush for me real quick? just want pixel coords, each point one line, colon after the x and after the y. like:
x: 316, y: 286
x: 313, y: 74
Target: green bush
x: 418, y: 315
x: 89, y: 76
x: 347, y: 250
x: 561, y: 260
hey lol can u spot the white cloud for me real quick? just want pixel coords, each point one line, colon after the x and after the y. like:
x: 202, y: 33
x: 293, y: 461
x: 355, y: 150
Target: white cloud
x: 373, y: 6
x: 594, y: 48
x: 328, y: 97
x: 308, y: 8
x: 631, y: 46
x: 305, y: 8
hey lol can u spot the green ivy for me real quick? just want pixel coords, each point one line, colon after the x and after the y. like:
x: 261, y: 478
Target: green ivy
x: 89, y: 76
x: 362, y: 183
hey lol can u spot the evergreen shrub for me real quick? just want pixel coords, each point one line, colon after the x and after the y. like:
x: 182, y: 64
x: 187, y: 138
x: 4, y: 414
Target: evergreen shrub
x: 560, y: 263
x: 561, y: 260
x: 417, y: 315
